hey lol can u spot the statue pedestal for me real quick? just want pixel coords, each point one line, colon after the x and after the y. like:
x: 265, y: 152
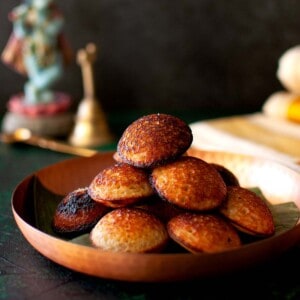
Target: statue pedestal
x: 46, y: 119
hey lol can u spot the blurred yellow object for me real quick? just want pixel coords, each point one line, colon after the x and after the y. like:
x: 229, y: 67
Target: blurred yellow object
x: 293, y: 112
x: 283, y: 105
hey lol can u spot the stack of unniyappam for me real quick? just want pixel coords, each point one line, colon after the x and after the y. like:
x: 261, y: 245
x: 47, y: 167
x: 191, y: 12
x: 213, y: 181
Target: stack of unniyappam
x: 155, y: 195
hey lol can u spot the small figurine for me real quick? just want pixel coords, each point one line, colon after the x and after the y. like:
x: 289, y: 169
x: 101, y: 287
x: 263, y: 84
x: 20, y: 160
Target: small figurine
x: 37, y: 49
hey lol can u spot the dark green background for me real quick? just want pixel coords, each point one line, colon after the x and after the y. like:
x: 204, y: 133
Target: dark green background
x: 181, y: 54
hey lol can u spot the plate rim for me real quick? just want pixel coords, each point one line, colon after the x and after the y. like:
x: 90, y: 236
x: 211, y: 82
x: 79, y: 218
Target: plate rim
x: 289, y: 238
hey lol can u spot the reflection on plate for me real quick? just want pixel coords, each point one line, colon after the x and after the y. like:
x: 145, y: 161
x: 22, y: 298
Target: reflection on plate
x: 278, y: 183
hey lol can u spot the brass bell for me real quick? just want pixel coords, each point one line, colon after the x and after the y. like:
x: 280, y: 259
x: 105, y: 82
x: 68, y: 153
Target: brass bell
x: 90, y: 128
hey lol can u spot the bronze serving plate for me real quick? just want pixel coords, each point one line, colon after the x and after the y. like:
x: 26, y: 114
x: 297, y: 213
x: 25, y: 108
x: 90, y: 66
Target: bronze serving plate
x: 278, y: 183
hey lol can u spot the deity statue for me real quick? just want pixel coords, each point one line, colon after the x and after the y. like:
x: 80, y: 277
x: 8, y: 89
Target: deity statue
x: 38, y: 50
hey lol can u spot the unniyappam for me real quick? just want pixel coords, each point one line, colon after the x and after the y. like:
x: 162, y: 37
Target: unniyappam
x: 77, y: 213
x: 248, y: 212
x: 227, y: 175
x: 120, y: 185
x: 153, y: 140
x: 189, y: 183
x: 129, y: 230
x: 203, y: 233
x: 164, y: 210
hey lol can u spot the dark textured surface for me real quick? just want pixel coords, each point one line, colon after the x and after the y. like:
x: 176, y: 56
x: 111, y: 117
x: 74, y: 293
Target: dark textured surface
x: 26, y: 274
x: 197, y: 54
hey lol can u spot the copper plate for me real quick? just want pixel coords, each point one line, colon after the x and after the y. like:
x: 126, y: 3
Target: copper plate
x: 278, y: 183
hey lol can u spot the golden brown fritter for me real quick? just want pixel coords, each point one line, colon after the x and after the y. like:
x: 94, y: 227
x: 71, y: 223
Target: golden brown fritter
x: 153, y: 140
x: 120, y: 185
x: 248, y: 212
x: 129, y: 230
x: 190, y: 183
x: 203, y: 233
x: 164, y: 210
x: 117, y: 158
x: 77, y: 213
x: 228, y: 177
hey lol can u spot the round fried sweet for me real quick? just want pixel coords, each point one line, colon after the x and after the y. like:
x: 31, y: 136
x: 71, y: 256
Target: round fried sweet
x: 117, y: 157
x: 154, y: 139
x: 162, y: 209
x: 190, y: 183
x: 203, y: 233
x: 129, y: 230
x: 120, y: 185
x: 77, y: 213
x: 228, y: 177
x: 248, y: 212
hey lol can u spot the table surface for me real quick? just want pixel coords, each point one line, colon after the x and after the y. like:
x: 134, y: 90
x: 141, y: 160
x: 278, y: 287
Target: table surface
x: 26, y: 274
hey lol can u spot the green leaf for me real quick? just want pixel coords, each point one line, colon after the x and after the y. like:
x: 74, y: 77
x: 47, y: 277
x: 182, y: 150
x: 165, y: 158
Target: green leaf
x: 83, y: 239
x: 285, y: 215
x: 45, y: 203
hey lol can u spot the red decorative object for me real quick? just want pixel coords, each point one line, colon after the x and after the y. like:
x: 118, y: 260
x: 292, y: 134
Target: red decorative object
x: 61, y: 104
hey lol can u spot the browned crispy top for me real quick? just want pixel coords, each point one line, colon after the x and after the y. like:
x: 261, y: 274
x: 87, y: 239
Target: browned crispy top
x: 203, y: 232
x: 120, y: 183
x: 129, y: 230
x: 189, y: 183
x: 248, y: 211
x: 77, y: 212
x: 154, y: 139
